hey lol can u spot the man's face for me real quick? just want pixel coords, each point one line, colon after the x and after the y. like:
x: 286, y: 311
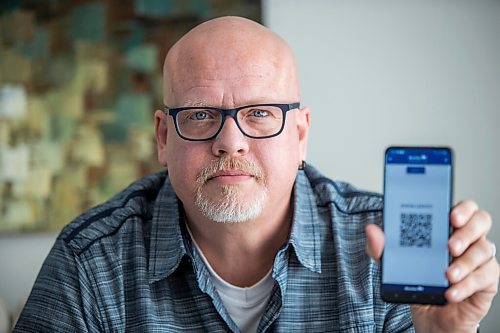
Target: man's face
x: 232, y: 178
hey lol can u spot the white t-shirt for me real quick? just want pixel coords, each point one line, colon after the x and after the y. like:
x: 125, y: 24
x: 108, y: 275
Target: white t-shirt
x: 244, y: 305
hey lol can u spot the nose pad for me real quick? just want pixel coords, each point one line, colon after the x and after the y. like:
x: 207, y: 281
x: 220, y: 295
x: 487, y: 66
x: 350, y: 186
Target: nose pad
x: 230, y: 140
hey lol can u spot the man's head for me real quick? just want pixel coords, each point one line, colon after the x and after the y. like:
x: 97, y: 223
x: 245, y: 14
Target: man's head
x: 227, y: 63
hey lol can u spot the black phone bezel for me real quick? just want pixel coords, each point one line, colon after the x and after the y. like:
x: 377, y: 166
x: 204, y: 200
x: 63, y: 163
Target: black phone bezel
x: 404, y: 297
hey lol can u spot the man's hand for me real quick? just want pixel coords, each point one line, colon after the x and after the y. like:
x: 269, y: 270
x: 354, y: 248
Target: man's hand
x: 473, y: 273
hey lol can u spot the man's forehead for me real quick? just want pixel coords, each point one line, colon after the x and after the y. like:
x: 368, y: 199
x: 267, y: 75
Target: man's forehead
x: 227, y: 71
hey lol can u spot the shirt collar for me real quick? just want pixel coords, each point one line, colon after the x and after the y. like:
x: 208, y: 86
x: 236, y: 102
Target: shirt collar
x: 167, y: 245
x: 305, y: 236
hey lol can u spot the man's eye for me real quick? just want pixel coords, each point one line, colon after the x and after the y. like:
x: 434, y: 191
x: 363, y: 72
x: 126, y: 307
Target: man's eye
x: 260, y: 113
x: 199, y: 115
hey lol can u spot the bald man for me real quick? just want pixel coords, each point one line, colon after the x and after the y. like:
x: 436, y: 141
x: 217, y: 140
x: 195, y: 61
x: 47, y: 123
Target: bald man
x: 238, y: 234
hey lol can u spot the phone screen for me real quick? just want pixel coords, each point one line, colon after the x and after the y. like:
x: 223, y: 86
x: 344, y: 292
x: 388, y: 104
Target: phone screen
x: 417, y: 203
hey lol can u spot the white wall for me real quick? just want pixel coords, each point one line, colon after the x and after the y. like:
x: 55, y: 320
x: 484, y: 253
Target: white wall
x: 380, y: 73
x: 21, y: 257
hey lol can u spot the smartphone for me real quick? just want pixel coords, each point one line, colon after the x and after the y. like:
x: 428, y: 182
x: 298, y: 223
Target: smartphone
x: 418, y: 185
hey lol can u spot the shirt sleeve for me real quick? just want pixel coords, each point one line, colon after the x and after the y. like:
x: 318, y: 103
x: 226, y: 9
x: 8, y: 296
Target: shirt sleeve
x: 61, y: 299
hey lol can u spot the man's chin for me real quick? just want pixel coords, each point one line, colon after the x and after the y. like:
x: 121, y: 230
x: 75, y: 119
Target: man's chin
x: 231, y: 205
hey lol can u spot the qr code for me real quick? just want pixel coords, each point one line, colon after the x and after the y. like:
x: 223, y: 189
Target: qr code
x: 415, y: 230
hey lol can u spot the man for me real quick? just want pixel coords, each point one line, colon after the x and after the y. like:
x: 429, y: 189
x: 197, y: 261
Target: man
x: 240, y: 235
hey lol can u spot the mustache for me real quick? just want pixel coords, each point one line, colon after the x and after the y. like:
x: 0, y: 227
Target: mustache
x: 226, y: 164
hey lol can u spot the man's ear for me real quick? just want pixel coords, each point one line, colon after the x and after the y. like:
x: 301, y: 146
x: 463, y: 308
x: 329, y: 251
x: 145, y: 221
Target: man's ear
x: 303, y: 123
x: 161, y: 131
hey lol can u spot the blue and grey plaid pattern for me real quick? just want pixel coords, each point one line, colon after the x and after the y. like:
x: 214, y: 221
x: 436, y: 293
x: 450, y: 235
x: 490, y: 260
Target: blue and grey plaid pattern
x: 129, y: 265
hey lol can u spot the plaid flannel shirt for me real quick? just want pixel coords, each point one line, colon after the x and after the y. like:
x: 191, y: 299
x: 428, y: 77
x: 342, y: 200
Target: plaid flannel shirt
x: 129, y: 265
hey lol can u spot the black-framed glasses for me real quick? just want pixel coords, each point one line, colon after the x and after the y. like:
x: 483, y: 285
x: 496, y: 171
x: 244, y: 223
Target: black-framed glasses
x: 257, y: 121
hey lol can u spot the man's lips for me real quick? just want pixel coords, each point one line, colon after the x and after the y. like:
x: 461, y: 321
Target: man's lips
x: 230, y: 174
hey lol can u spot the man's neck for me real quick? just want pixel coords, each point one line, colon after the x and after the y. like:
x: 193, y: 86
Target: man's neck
x: 242, y: 253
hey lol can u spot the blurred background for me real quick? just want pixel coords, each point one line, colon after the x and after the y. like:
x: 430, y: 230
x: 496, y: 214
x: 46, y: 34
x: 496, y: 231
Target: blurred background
x: 80, y: 80
x: 79, y: 83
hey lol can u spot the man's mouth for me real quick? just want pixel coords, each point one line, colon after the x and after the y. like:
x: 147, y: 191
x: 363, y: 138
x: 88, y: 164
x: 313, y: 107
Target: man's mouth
x: 230, y: 173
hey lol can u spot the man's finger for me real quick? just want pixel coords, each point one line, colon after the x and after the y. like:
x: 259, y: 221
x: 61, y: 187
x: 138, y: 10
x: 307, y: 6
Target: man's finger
x: 475, y: 228
x: 484, y: 279
x: 375, y: 241
x: 476, y: 255
x: 462, y: 212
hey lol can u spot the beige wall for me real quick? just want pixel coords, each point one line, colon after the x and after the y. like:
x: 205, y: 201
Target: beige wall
x: 380, y: 73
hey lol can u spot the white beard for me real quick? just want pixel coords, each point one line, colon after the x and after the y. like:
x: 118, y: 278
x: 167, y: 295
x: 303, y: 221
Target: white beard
x: 233, y: 207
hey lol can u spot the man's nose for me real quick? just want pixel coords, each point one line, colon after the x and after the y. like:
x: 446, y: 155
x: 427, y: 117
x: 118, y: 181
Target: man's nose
x: 230, y: 140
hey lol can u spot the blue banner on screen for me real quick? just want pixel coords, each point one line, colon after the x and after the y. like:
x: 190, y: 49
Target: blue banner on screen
x: 420, y: 170
x: 419, y: 156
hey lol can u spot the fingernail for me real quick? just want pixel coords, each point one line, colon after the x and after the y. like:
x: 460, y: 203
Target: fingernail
x: 454, y: 293
x: 459, y: 217
x: 457, y: 244
x: 455, y: 273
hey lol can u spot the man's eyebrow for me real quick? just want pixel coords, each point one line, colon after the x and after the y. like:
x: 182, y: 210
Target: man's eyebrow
x: 196, y: 103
